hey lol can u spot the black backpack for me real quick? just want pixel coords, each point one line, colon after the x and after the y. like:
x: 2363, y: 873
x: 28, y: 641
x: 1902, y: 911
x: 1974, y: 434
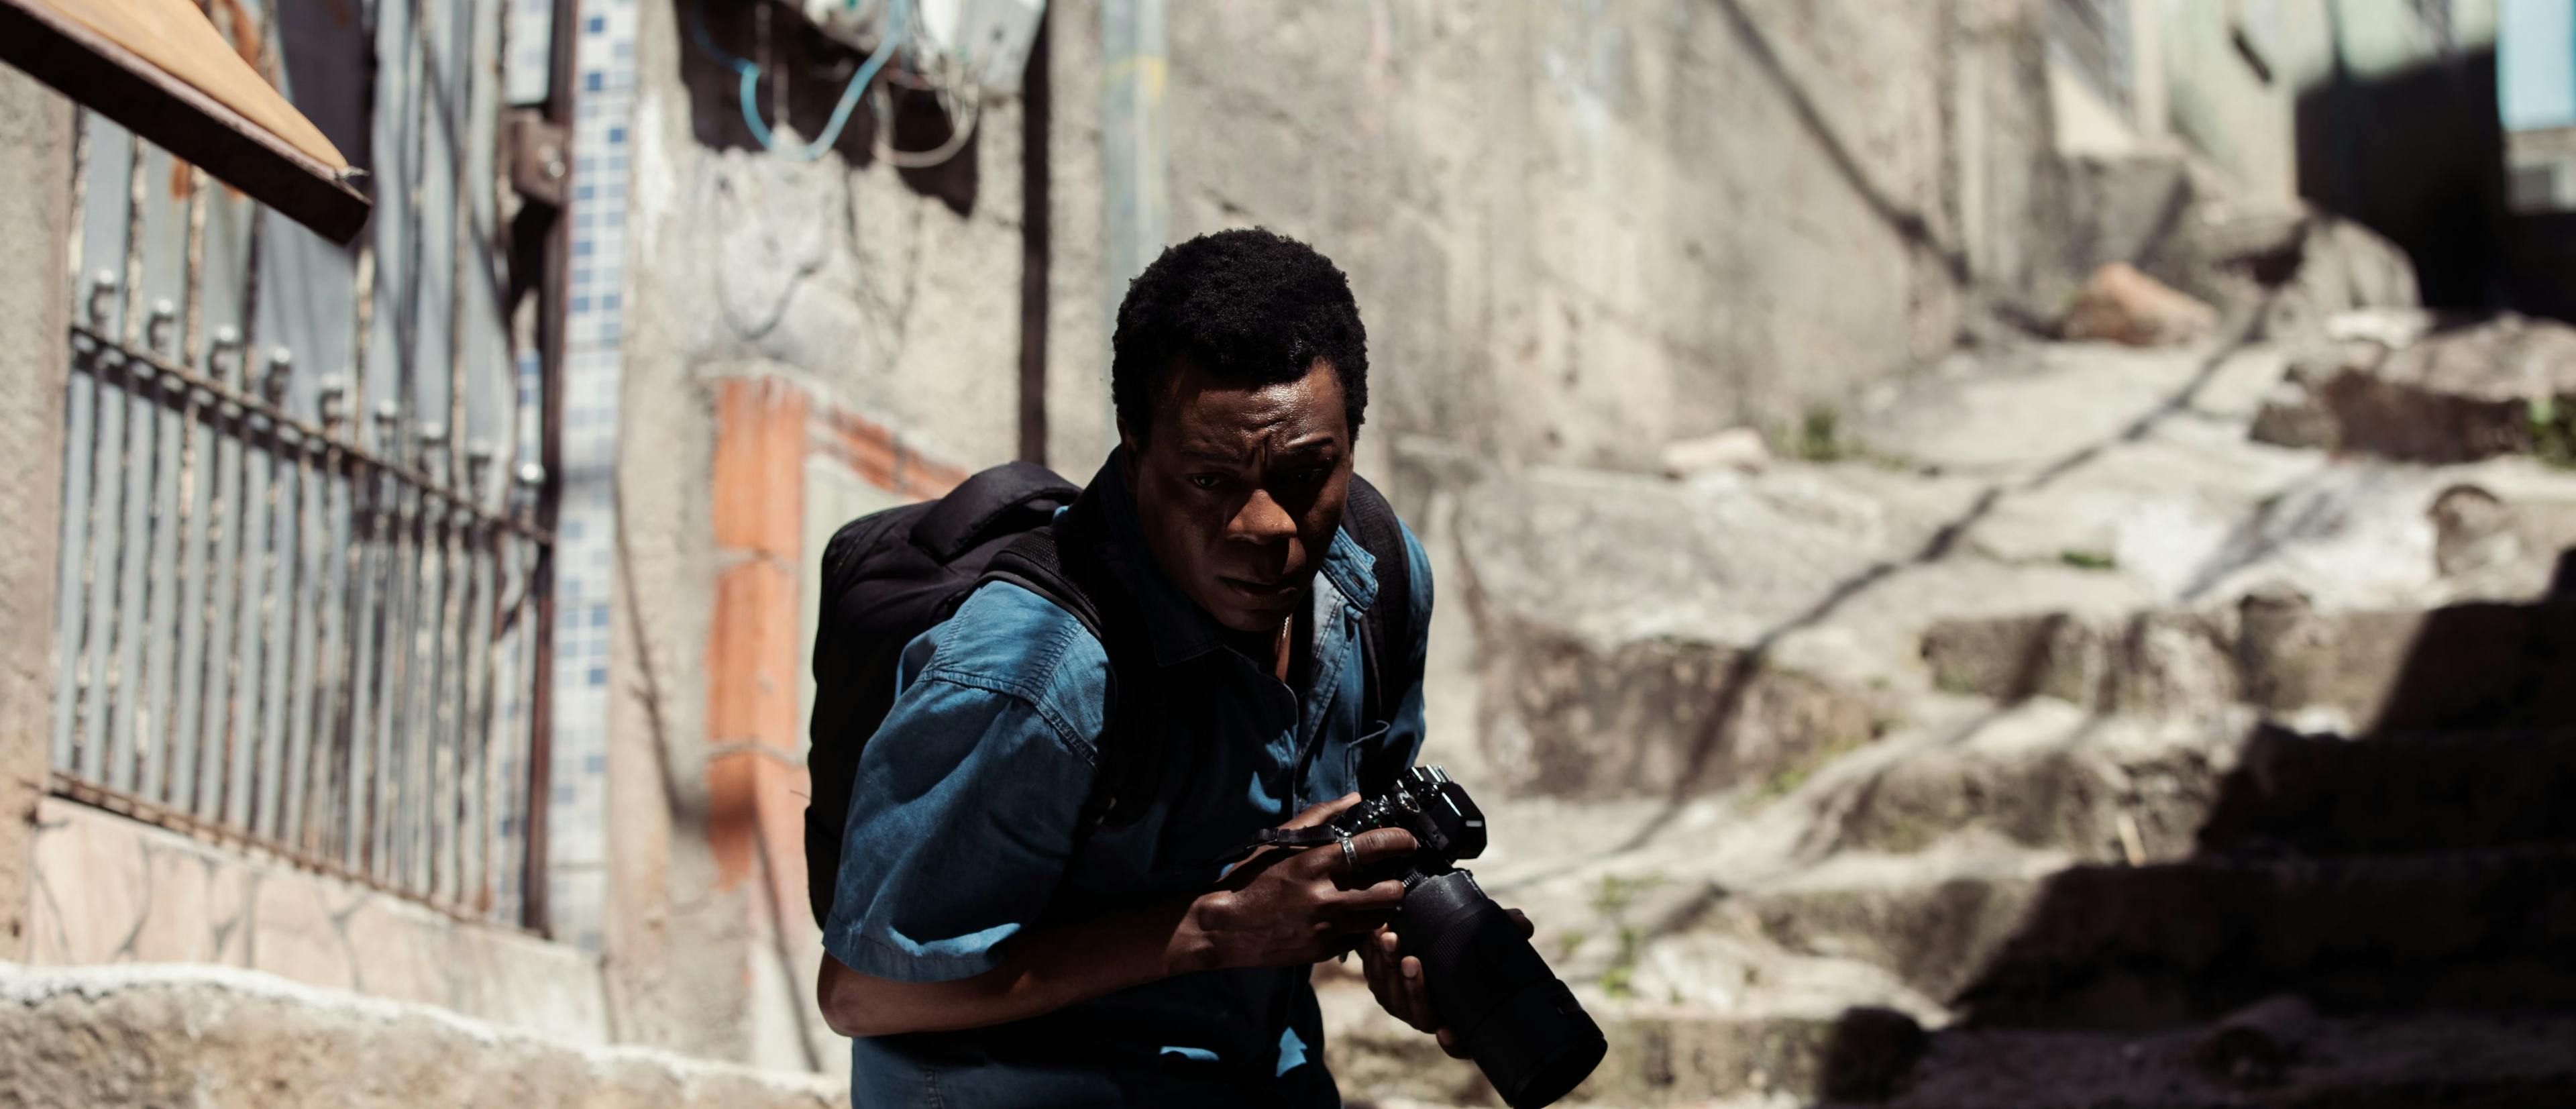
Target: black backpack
x: 889, y: 576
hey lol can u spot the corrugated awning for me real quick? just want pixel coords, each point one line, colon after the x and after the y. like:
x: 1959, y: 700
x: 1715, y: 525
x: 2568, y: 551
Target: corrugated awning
x: 159, y: 68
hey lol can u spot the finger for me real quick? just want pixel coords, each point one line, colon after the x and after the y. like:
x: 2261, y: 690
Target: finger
x: 1377, y: 962
x: 1417, y: 997
x: 1367, y: 899
x: 1522, y: 919
x: 1322, y: 811
x: 1449, y: 1043
x: 1383, y: 843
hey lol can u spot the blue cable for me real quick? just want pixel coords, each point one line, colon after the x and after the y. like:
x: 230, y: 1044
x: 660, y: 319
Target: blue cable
x: 898, y: 18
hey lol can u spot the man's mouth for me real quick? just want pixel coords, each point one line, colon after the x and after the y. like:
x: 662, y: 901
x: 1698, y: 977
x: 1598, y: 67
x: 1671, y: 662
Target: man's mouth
x: 1254, y: 589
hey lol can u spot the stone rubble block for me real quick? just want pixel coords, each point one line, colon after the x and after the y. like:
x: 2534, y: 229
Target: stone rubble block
x: 2121, y: 305
x: 2507, y: 386
x: 172, y: 1035
x: 2100, y: 790
x: 1659, y: 718
x: 1621, y: 619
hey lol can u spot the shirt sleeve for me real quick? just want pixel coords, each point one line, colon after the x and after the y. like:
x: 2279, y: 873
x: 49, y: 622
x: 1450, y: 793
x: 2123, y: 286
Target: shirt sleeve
x: 963, y: 813
x: 1406, y: 730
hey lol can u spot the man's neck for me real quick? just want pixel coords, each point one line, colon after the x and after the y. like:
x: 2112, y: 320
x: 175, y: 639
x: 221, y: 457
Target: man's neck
x: 1274, y: 651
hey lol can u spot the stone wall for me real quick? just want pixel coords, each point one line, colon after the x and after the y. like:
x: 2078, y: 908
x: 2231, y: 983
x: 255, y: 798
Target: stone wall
x: 114, y: 891
x: 153, y: 1036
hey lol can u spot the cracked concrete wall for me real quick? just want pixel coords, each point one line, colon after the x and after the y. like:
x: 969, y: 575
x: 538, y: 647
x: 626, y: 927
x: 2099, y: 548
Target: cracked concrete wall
x: 35, y: 356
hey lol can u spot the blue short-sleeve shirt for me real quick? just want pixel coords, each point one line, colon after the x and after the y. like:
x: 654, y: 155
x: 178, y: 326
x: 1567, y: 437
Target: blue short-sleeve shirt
x: 962, y: 834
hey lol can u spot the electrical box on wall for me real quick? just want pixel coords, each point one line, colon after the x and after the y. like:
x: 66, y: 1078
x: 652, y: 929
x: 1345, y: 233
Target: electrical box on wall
x: 989, y: 39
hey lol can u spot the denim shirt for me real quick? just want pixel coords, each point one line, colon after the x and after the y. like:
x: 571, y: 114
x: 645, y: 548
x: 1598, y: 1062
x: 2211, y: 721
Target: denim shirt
x: 962, y: 834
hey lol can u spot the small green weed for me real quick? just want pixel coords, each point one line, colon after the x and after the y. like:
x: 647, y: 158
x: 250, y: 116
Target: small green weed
x: 2088, y: 560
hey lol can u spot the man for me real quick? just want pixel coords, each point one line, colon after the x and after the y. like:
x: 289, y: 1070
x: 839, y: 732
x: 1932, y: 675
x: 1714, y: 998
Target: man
x: 988, y: 944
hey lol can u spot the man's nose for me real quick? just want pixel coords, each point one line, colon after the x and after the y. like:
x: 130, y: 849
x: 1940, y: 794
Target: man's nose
x: 1263, y: 520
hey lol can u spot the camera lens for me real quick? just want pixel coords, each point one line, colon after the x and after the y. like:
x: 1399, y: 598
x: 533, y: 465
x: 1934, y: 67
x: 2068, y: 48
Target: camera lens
x: 1522, y: 1025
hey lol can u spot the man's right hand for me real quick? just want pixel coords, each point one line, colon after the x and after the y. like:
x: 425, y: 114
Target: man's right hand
x: 1284, y: 908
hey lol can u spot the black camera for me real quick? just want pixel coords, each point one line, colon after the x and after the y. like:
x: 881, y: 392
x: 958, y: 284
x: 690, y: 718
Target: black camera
x: 1492, y: 990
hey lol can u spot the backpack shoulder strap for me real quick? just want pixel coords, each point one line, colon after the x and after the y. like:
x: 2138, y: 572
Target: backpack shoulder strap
x: 1387, y: 630
x: 1057, y: 567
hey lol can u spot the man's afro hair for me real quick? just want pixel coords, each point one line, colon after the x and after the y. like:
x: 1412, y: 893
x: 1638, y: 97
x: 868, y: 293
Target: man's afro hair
x: 1247, y: 307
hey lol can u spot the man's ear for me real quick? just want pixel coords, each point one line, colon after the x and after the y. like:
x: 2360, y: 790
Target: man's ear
x: 1128, y: 448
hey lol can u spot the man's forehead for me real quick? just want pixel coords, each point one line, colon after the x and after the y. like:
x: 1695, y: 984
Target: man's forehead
x: 1228, y: 420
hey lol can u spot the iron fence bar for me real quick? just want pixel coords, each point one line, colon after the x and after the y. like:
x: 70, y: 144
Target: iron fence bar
x: 169, y: 538
x: 181, y: 719
x: 474, y: 805
x: 390, y: 649
x: 241, y: 714
x: 113, y: 712
x: 80, y: 409
x: 274, y: 580
x: 426, y: 725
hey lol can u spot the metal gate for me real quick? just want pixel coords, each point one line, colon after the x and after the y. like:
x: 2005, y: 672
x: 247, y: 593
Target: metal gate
x: 303, y: 591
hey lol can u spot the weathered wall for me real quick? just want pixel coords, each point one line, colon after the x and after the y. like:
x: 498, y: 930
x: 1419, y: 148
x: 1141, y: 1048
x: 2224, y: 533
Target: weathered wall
x: 215, y: 1036
x: 35, y: 311
x: 1580, y: 232
x: 849, y: 287
x: 110, y: 890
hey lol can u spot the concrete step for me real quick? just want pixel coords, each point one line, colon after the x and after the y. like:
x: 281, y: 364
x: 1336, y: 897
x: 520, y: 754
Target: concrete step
x: 2169, y: 943
x: 2133, y: 791
x: 1659, y: 1054
x: 2482, y: 664
x: 2277, y: 1054
x: 2258, y: 1058
x: 2324, y: 794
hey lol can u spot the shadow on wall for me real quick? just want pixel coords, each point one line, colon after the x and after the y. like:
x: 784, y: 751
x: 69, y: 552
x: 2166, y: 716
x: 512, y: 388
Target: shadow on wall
x: 2418, y: 156
x: 802, y: 77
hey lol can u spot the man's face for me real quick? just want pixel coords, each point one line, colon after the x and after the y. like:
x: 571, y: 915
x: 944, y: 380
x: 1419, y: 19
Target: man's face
x: 1239, y: 490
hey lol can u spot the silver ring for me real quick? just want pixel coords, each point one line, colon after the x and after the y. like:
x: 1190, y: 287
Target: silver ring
x: 1350, y: 854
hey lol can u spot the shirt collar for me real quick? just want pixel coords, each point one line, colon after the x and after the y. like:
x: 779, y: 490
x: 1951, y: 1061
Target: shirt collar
x: 1179, y: 628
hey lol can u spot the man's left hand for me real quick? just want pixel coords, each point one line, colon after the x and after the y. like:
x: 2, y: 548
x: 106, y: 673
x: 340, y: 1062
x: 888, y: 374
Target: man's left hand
x: 1396, y: 979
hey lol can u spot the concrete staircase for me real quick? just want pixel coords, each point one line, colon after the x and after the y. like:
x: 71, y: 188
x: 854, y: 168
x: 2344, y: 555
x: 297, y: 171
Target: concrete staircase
x: 2059, y: 746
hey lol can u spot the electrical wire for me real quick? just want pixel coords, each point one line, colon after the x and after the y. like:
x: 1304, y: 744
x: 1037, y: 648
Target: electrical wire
x: 747, y: 95
x: 962, y: 117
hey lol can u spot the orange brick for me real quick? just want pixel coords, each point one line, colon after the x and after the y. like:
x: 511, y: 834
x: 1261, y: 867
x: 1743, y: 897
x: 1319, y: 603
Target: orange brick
x: 759, y: 479
x: 867, y: 448
x: 751, y: 665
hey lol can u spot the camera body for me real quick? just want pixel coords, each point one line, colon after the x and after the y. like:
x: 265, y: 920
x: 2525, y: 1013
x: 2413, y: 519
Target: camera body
x: 1442, y: 818
x: 1518, y: 1020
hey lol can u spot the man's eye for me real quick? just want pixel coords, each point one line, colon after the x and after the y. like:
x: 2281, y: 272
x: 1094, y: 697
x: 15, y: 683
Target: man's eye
x: 1206, y: 481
